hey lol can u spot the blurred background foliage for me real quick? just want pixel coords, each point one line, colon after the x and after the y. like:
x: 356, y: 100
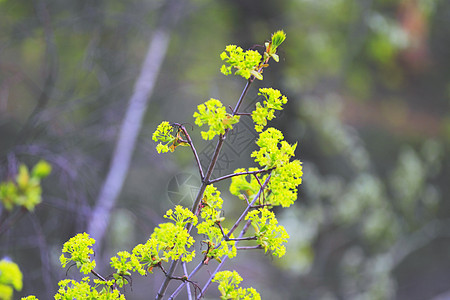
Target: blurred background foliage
x: 368, y: 88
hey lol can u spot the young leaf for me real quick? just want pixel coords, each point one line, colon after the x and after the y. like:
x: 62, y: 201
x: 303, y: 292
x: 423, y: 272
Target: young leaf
x: 278, y: 38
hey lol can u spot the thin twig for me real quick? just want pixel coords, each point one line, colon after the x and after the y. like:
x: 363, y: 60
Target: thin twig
x: 188, y: 287
x: 239, y: 174
x: 250, y: 238
x: 226, y: 238
x: 255, y: 206
x: 261, y: 205
x: 244, y: 213
x: 263, y: 194
x: 249, y: 247
x: 189, y: 141
x: 180, y: 287
x: 98, y: 275
x: 223, y: 232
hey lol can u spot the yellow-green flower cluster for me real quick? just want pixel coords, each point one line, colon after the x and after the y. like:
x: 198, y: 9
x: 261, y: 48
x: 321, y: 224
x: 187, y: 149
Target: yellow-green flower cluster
x: 175, y: 237
x: 273, y: 150
x: 246, y: 63
x: 228, y: 287
x: 163, y: 134
x: 276, y: 153
x: 26, y: 190
x: 168, y: 241
x: 124, y: 262
x: 80, y: 250
x: 211, y: 205
x: 283, y: 184
x: 102, y: 290
x: 264, y: 112
x: 269, y: 234
x: 210, y: 212
x: 10, y: 279
x: 213, y: 114
x: 149, y: 255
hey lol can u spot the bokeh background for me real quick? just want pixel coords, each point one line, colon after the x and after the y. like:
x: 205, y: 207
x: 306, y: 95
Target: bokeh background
x: 369, y: 94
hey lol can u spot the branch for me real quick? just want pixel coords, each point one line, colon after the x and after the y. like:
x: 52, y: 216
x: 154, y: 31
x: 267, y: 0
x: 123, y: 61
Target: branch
x: 249, y: 206
x: 180, y: 287
x: 98, y: 275
x: 189, y: 141
x: 188, y: 287
x: 250, y: 238
x: 205, y: 183
x: 239, y: 174
x: 131, y: 126
x: 263, y: 194
x: 249, y: 247
x: 226, y: 238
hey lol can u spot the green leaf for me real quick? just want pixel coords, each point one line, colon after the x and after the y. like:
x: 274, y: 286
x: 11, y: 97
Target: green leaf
x: 278, y: 38
x: 245, y: 185
x: 275, y: 57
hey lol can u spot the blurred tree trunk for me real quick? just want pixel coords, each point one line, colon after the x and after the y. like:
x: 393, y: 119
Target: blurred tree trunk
x: 132, y: 122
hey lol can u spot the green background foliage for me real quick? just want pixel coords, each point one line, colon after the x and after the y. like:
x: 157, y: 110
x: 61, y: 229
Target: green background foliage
x: 368, y: 89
